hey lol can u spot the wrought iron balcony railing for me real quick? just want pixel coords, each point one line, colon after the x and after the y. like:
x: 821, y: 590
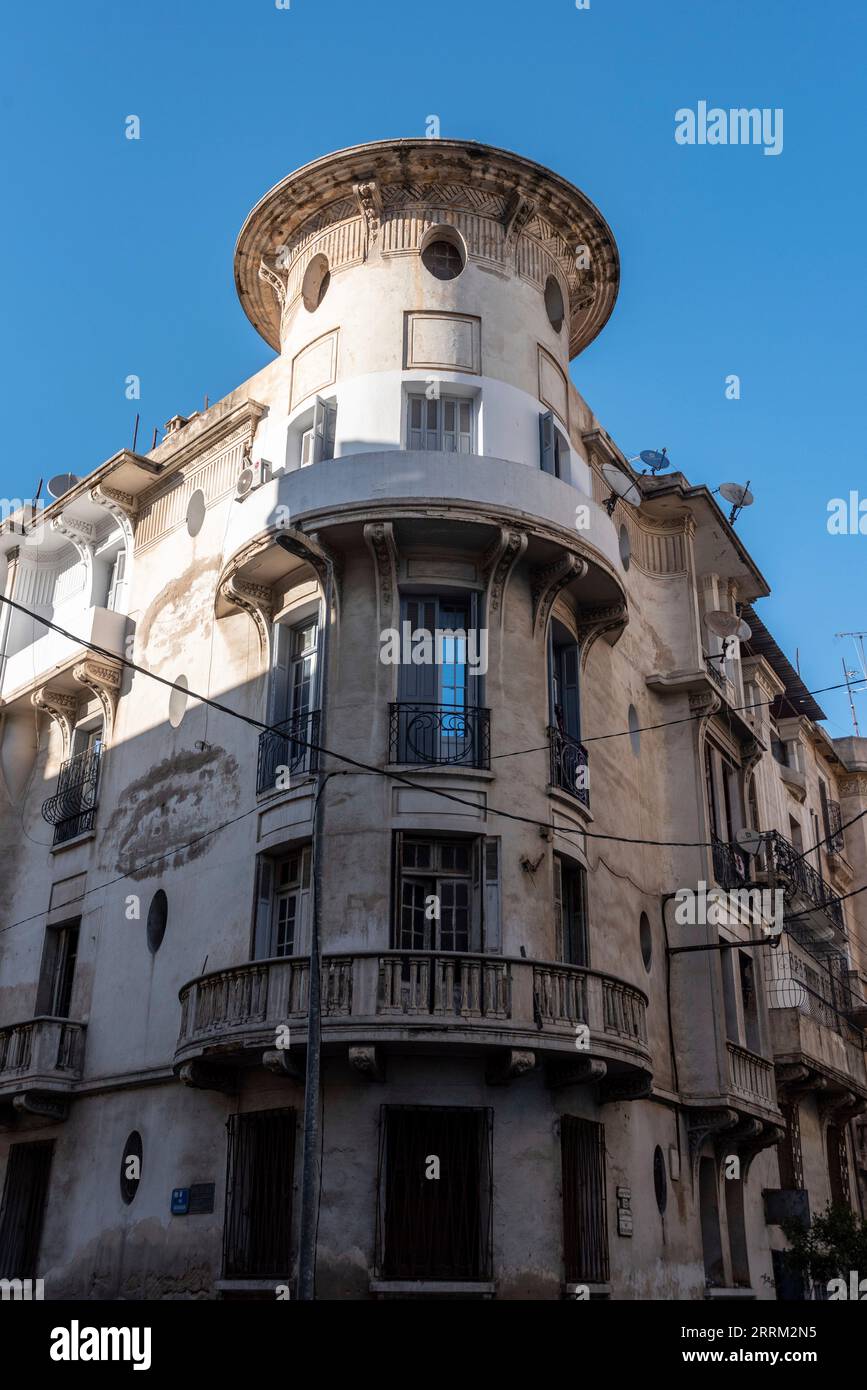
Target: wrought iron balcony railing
x: 836, y: 843
x: 287, y: 753
x: 792, y: 868
x: 438, y: 735
x: 713, y: 666
x: 730, y: 864
x: 569, y: 765
x: 72, y: 809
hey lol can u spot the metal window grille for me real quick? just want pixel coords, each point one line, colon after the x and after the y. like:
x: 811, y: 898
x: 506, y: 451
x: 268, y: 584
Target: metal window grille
x: 789, y: 1147
x: 585, y: 1218
x: 261, y: 1164
x: 838, y: 1165
x: 72, y: 809
x: 25, y: 1193
x: 435, y: 1227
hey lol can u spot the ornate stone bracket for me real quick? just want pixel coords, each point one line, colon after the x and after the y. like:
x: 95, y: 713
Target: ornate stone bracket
x: 60, y: 706
x: 607, y: 622
x: 703, y: 1125
x: 31, y: 1103
x: 631, y: 1086
x: 281, y: 1062
x: 792, y: 1079
x: 497, y: 566
x: 547, y: 582
x: 369, y: 199
x: 257, y: 601
x: 518, y: 212
x: 122, y: 506
x: 512, y: 1064
x: 749, y: 1137
x: 103, y: 678
x: 379, y: 539
x: 584, y: 1071
x: 367, y: 1062
x: 203, y: 1076
x: 272, y: 277
x: 79, y: 533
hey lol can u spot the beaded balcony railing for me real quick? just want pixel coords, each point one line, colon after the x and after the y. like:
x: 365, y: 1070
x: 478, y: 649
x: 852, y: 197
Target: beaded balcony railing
x: 569, y: 765
x: 424, y: 996
x: 439, y: 735
x: 72, y: 808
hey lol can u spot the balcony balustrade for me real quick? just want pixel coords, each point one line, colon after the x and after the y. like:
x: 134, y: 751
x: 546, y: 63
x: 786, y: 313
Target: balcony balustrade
x: 287, y: 752
x: 814, y: 1016
x: 751, y: 1077
x: 569, y: 765
x: 439, y: 735
x: 43, y: 1057
x: 416, y: 997
x: 730, y: 864
x: 72, y: 808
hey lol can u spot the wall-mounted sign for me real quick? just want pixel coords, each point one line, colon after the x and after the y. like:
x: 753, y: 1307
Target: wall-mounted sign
x: 180, y: 1201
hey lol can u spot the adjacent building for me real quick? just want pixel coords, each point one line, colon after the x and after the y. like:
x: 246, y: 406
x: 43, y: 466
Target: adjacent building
x: 529, y: 1088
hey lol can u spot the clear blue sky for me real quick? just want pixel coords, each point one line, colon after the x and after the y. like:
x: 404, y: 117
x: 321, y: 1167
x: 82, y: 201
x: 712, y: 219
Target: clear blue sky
x: 118, y: 253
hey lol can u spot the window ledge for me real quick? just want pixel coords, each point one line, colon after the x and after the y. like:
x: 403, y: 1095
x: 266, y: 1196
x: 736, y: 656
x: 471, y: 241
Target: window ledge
x: 595, y: 1290
x: 299, y: 788
x: 427, y: 1288
x: 253, y: 1285
x: 478, y: 774
x: 732, y: 1294
x: 71, y: 843
x: 567, y: 799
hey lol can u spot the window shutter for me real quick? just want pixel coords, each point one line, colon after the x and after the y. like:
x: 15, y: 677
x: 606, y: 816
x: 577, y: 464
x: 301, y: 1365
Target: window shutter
x: 558, y: 908
x: 569, y: 695
x: 262, y: 927
x: 465, y: 427
x: 278, y: 704
x: 826, y: 815
x: 493, y: 929
x: 330, y: 430
x: 397, y: 852
x: 477, y: 895
x: 546, y: 443
x: 419, y: 683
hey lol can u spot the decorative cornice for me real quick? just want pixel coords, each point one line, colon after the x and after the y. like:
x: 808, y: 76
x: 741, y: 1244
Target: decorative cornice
x: 852, y: 784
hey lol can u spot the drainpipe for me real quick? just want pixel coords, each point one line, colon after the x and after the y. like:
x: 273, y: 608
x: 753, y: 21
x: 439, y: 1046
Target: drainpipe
x: 310, y: 1177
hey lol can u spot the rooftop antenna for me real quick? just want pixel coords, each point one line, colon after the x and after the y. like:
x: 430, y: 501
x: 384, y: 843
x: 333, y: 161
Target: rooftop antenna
x: 858, y: 639
x: 654, y: 460
x: 622, y: 486
x: 848, y: 676
x: 739, y: 497
x: 38, y: 491
x: 135, y: 433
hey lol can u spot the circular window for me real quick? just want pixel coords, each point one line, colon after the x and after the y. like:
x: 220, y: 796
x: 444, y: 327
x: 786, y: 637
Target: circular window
x: 554, y: 306
x: 314, y: 286
x: 178, y: 702
x: 130, y: 1167
x: 443, y: 253
x: 625, y: 547
x: 645, y: 937
x: 158, y: 915
x: 660, y: 1181
x: 196, y: 512
x: 634, y: 730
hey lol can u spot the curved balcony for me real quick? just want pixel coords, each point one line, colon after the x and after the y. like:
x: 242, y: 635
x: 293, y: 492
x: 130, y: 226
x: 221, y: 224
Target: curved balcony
x: 40, y: 1062
x: 589, y: 1025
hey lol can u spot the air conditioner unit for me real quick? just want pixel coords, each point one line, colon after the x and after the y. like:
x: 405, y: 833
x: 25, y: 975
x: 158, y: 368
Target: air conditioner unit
x: 251, y: 477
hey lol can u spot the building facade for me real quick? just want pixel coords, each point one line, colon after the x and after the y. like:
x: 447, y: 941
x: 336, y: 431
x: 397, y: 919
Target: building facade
x: 468, y: 720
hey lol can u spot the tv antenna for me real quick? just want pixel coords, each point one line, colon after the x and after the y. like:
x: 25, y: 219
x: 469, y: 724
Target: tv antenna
x: 622, y: 486
x: 849, y: 676
x: 654, y: 460
x: 739, y: 497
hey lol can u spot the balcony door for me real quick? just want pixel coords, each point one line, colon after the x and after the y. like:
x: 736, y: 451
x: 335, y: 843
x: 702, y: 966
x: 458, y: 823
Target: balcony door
x: 435, y: 694
x: 295, y: 688
x: 563, y: 663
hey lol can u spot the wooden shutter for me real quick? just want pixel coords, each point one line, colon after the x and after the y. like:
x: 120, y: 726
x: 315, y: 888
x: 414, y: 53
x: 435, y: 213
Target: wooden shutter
x: 278, y: 703
x: 324, y: 421
x: 493, y: 930
x: 397, y: 863
x: 25, y: 1194
x: 419, y: 683
x: 546, y: 443
x: 585, y: 1216
x: 302, y: 924
x: 262, y: 924
x: 558, y: 909
x: 569, y: 689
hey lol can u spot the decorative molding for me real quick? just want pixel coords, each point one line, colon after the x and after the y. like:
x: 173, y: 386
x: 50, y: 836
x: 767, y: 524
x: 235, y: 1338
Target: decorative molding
x: 122, y: 506
x: 497, y: 566
x: 79, y: 533
x: 61, y: 707
x: 203, y: 1076
x: 257, y: 601
x: 281, y: 1062
x: 442, y: 341
x: 379, y: 539
x: 32, y: 1103
x: 548, y: 581
x: 853, y: 784
x: 583, y: 1071
x: 314, y: 368
x: 518, y: 211
x: 272, y: 277
x: 608, y: 622
x: 703, y: 1125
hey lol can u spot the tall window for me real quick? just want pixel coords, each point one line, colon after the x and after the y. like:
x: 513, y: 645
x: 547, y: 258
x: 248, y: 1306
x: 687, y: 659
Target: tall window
x: 116, y: 581
x: 570, y: 912
x: 444, y: 424
x: 722, y: 778
x: 563, y: 666
x: 294, y: 685
x: 553, y: 447
x: 258, y: 1223
x: 440, y: 718
x: 585, y: 1218
x: 447, y: 894
x: 282, y: 904
x: 435, y: 1227
x: 22, y: 1211
x: 57, y: 974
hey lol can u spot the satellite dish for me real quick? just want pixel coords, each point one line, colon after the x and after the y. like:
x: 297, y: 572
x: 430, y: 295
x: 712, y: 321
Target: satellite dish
x: 750, y: 841
x: 738, y: 496
x: 61, y: 483
x: 743, y: 632
x: 621, y: 486
x: 654, y: 460
x: 722, y: 624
